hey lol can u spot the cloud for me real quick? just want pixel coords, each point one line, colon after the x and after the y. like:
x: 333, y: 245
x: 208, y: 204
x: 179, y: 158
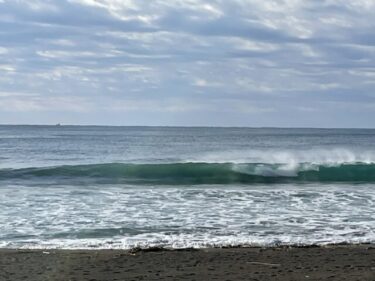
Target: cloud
x: 3, y: 51
x: 185, y: 59
x: 26, y: 102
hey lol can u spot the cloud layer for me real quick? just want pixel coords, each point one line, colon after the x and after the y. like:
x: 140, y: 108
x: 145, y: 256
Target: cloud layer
x: 188, y: 62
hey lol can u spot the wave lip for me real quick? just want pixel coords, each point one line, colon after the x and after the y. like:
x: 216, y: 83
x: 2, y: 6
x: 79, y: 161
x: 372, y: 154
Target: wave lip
x: 199, y: 173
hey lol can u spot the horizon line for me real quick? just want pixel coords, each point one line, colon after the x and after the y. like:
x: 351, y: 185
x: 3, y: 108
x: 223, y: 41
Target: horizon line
x: 190, y: 126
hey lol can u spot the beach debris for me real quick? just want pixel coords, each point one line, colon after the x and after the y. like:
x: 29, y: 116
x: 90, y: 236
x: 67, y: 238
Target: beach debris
x: 264, y: 263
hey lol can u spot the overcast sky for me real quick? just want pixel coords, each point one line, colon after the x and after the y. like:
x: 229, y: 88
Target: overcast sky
x: 188, y: 62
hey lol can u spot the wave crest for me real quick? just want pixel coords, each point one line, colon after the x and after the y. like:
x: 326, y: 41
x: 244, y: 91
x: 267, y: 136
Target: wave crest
x: 199, y: 173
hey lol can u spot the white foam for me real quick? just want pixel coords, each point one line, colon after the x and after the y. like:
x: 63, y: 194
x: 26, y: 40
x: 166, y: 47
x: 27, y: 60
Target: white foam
x: 285, y: 170
x: 124, y: 217
x: 317, y: 156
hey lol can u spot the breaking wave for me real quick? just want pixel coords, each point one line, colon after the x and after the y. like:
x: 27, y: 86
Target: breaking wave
x: 200, y: 173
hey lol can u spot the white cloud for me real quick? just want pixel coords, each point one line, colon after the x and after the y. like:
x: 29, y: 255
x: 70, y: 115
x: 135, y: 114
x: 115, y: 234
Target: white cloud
x: 63, y: 42
x: 36, y: 5
x: 168, y: 105
x: 3, y: 51
x: 204, y: 83
x: 17, y: 94
x: 252, y: 45
x: 20, y: 102
x: 122, y: 9
x: 7, y: 68
x: 55, y: 54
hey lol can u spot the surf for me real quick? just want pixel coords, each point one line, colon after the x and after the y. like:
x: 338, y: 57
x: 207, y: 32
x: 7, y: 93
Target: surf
x: 200, y: 173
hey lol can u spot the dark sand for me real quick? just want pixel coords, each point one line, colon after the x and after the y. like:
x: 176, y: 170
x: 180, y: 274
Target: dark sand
x: 312, y: 263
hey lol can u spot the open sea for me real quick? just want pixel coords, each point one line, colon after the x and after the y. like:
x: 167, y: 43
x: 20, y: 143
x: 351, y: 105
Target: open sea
x: 123, y: 187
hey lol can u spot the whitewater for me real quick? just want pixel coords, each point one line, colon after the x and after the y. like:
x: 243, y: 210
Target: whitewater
x: 123, y: 187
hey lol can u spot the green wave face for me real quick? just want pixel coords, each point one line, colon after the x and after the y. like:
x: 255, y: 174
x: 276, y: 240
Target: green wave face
x: 199, y: 173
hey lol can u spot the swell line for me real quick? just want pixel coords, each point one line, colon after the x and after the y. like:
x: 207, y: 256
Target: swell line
x: 199, y: 173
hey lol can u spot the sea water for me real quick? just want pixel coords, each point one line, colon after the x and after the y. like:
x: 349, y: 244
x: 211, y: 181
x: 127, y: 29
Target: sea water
x: 123, y: 187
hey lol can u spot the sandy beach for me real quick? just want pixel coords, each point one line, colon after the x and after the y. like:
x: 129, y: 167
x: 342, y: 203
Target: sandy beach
x: 345, y: 262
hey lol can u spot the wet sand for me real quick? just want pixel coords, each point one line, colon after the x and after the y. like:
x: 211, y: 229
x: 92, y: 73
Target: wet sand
x: 349, y: 262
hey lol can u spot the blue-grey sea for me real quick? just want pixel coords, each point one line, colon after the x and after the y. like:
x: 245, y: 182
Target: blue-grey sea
x: 123, y: 187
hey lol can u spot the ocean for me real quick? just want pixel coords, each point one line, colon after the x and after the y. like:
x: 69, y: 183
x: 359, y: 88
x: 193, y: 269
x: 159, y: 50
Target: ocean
x: 88, y: 187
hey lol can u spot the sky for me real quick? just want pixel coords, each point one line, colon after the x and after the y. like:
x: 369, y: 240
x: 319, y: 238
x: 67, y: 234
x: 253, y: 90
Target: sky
x: 285, y: 63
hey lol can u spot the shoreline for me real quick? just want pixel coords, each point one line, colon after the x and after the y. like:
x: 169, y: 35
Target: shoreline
x: 328, y: 262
